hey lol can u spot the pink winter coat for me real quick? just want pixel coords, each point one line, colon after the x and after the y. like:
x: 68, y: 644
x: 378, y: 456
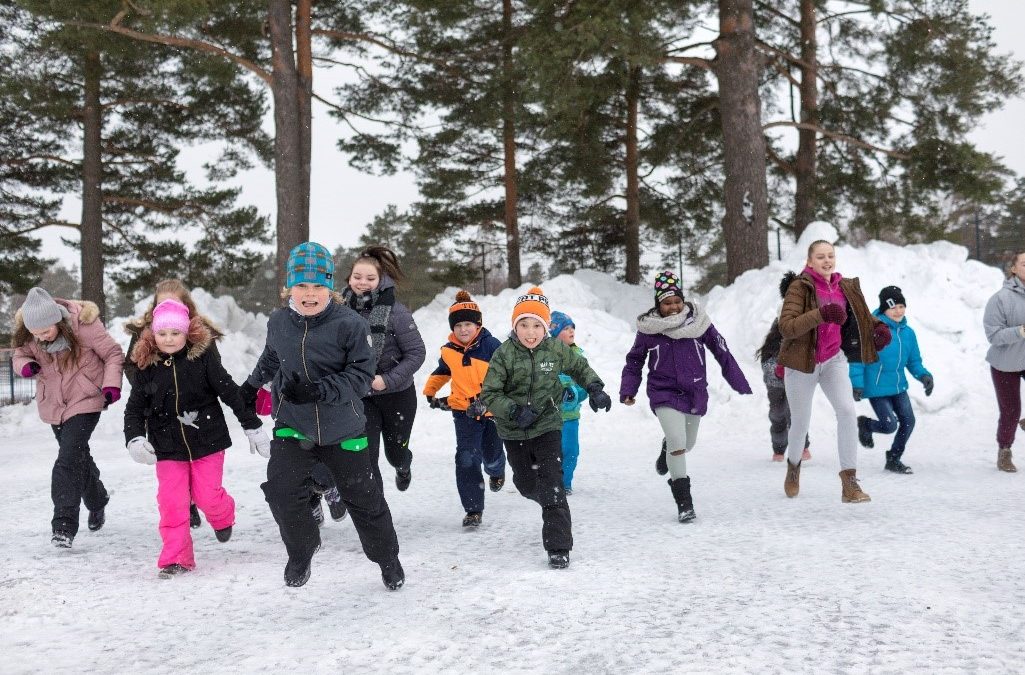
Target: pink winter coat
x: 62, y: 395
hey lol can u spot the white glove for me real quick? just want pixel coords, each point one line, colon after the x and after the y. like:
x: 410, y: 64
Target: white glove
x: 141, y: 451
x: 259, y: 442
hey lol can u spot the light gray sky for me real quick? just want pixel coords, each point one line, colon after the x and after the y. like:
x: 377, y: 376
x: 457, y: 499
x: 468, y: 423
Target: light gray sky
x: 343, y: 201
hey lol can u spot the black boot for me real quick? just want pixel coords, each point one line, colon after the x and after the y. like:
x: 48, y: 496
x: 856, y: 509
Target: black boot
x: 660, y: 464
x: 684, y: 502
x: 96, y: 519
x: 194, y: 519
x: 864, y: 433
x: 393, y: 575
x: 894, y: 464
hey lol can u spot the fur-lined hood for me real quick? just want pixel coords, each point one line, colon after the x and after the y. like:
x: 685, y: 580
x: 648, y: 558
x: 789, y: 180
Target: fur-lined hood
x: 82, y: 311
x: 201, y: 336
x: 785, y: 282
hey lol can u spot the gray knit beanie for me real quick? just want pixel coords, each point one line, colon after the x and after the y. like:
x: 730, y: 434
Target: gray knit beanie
x: 40, y: 311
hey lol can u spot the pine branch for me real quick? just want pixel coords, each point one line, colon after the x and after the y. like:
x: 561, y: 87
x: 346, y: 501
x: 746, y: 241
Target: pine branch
x: 40, y: 225
x: 43, y: 158
x: 706, y: 64
x: 850, y: 140
x: 376, y: 40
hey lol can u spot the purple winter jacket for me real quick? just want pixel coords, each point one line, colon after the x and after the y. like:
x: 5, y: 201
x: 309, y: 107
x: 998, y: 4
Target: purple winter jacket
x: 676, y: 365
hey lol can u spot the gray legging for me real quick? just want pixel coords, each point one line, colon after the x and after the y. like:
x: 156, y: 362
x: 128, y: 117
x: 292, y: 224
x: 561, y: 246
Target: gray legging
x: 834, y: 378
x: 681, y: 432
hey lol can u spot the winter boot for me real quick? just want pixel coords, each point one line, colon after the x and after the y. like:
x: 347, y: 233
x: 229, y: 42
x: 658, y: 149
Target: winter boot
x: 393, y: 575
x: 894, y: 464
x: 298, y: 572
x: 852, y: 492
x: 223, y: 534
x: 661, y: 467
x: 1004, y: 462
x: 335, y: 504
x: 472, y: 519
x: 96, y: 519
x: 684, y: 503
x: 317, y: 509
x: 864, y: 433
x: 792, y: 483
x: 496, y: 484
x: 62, y: 539
x: 194, y: 520
x: 403, y: 477
x: 559, y: 559
x: 171, y: 571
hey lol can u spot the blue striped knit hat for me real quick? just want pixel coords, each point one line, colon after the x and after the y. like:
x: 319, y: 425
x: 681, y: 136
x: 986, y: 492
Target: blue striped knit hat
x: 560, y: 320
x: 310, y: 263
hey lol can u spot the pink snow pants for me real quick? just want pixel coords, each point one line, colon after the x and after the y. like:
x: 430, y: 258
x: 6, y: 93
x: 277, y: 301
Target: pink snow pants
x: 178, y: 483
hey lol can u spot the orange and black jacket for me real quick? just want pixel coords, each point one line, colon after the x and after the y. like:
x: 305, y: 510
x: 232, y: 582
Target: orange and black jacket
x: 465, y: 366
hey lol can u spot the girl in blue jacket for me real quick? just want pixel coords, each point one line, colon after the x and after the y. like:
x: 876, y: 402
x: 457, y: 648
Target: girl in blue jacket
x: 885, y: 384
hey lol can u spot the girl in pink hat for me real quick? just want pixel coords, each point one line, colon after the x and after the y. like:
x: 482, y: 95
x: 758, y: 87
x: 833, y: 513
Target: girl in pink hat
x: 173, y: 419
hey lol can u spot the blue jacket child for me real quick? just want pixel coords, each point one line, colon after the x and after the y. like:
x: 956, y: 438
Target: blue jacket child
x: 885, y: 383
x: 573, y: 397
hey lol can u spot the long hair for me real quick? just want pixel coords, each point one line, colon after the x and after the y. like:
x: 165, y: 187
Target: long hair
x: 383, y: 259
x: 175, y: 287
x: 69, y: 358
x: 771, y: 344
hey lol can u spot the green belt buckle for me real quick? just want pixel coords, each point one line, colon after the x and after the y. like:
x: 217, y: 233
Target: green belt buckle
x: 354, y: 444
x: 289, y: 432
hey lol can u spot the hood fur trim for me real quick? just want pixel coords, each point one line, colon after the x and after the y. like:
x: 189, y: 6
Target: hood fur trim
x: 200, y: 337
x: 84, y: 311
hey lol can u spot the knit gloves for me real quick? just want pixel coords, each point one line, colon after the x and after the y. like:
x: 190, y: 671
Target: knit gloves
x: 833, y: 313
x: 881, y: 335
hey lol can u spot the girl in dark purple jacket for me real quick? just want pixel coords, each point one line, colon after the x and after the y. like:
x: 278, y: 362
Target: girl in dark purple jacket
x: 672, y: 336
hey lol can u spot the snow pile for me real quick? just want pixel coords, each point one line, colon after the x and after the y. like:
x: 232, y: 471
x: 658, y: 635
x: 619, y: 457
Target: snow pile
x: 757, y: 583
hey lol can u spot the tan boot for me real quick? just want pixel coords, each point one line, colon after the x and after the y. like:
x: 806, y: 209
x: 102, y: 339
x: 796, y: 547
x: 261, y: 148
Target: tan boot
x: 1004, y: 462
x: 852, y: 492
x: 792, y: 484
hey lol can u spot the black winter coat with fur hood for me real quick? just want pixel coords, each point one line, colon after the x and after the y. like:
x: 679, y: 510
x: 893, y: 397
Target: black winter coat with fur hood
x: 174, y: 400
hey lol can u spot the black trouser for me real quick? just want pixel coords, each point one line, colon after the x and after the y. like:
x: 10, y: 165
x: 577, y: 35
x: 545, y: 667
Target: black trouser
x: 288, y: 493
x: 537, y: 474
x: 391, y: 415
x: 76, y: 478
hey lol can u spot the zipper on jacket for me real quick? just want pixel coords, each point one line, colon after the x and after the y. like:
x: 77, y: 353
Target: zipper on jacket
x: 302, y: 354
x: 177, y: 412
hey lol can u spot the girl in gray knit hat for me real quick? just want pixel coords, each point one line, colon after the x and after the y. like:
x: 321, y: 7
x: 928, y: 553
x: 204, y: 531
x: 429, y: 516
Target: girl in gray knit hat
x: 78, y: 367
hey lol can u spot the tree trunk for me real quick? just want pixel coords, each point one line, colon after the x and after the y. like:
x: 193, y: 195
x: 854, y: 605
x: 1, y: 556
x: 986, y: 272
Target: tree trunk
x: 509, y: 178
x: 633, y: 190
x: 92, y: 185
x: 304, y: 61
x: 806, y: 180
x: 737, y: 65
x: 292, y: 227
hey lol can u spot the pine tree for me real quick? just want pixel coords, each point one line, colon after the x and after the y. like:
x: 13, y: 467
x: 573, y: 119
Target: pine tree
x: 104, y: 118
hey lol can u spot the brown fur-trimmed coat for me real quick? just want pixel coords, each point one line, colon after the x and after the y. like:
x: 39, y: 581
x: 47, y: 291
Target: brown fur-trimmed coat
x: 800, y: 317
x: 174, y: 400
x: 135, y: 328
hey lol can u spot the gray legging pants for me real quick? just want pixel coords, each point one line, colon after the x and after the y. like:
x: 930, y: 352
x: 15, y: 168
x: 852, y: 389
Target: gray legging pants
x: 681, y: 432
x: 834, y: 378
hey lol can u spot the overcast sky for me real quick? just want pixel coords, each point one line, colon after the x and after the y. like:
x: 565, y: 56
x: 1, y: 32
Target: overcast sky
x: 343, y: 200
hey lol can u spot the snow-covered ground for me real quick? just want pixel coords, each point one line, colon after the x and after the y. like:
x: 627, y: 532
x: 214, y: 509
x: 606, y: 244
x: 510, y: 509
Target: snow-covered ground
x: 927, y: 577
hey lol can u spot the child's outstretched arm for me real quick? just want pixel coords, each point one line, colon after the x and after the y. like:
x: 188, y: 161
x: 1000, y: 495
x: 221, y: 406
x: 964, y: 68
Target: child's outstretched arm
x: 220, y: 381
x: 493, y: 390
x: 918, y: 369
x: 411, y: 345
x: 632, y: 371
x: 576, y: 366
x: 266, y: 367
x: 353, y: 381
x: 716, y: 343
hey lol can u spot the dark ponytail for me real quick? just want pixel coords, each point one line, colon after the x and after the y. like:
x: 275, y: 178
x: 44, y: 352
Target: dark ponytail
x: 383, y: 259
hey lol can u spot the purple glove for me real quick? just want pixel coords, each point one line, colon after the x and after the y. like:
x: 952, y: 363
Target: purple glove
x: 881, y: 335
x: 833, y: 313
x: 112, y: 394
x: 30, y: 369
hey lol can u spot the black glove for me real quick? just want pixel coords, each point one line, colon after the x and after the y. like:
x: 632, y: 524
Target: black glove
x: 568, y: 395
x: 859, y: 393
x: 248, y: 394
x: 599, y: 399
x: 439, y: 403
x: 296, y: 391
x: 476, y: 410
x: 928, y: 384
x: 523, y: 415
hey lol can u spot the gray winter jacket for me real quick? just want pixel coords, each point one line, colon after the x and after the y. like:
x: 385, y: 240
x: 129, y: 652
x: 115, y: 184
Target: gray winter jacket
x: 402, y: 350
x: 332, y: 349
x: 1004, y: 320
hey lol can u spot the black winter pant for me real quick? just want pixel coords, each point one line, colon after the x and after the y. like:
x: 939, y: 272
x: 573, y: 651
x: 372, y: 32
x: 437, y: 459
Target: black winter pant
x: 390, y: 415
x: 779, y: 420
x: 76, y: 478
x: 537, y: 474
x: 288, y: 493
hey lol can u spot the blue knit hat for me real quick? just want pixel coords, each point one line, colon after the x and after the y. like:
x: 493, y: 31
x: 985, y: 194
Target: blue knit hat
x: 310, y: 263
x: 559, y: 322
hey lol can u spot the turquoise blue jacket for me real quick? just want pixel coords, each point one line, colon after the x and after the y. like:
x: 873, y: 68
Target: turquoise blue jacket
x: 573, y: 395
x: 886, y: 377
